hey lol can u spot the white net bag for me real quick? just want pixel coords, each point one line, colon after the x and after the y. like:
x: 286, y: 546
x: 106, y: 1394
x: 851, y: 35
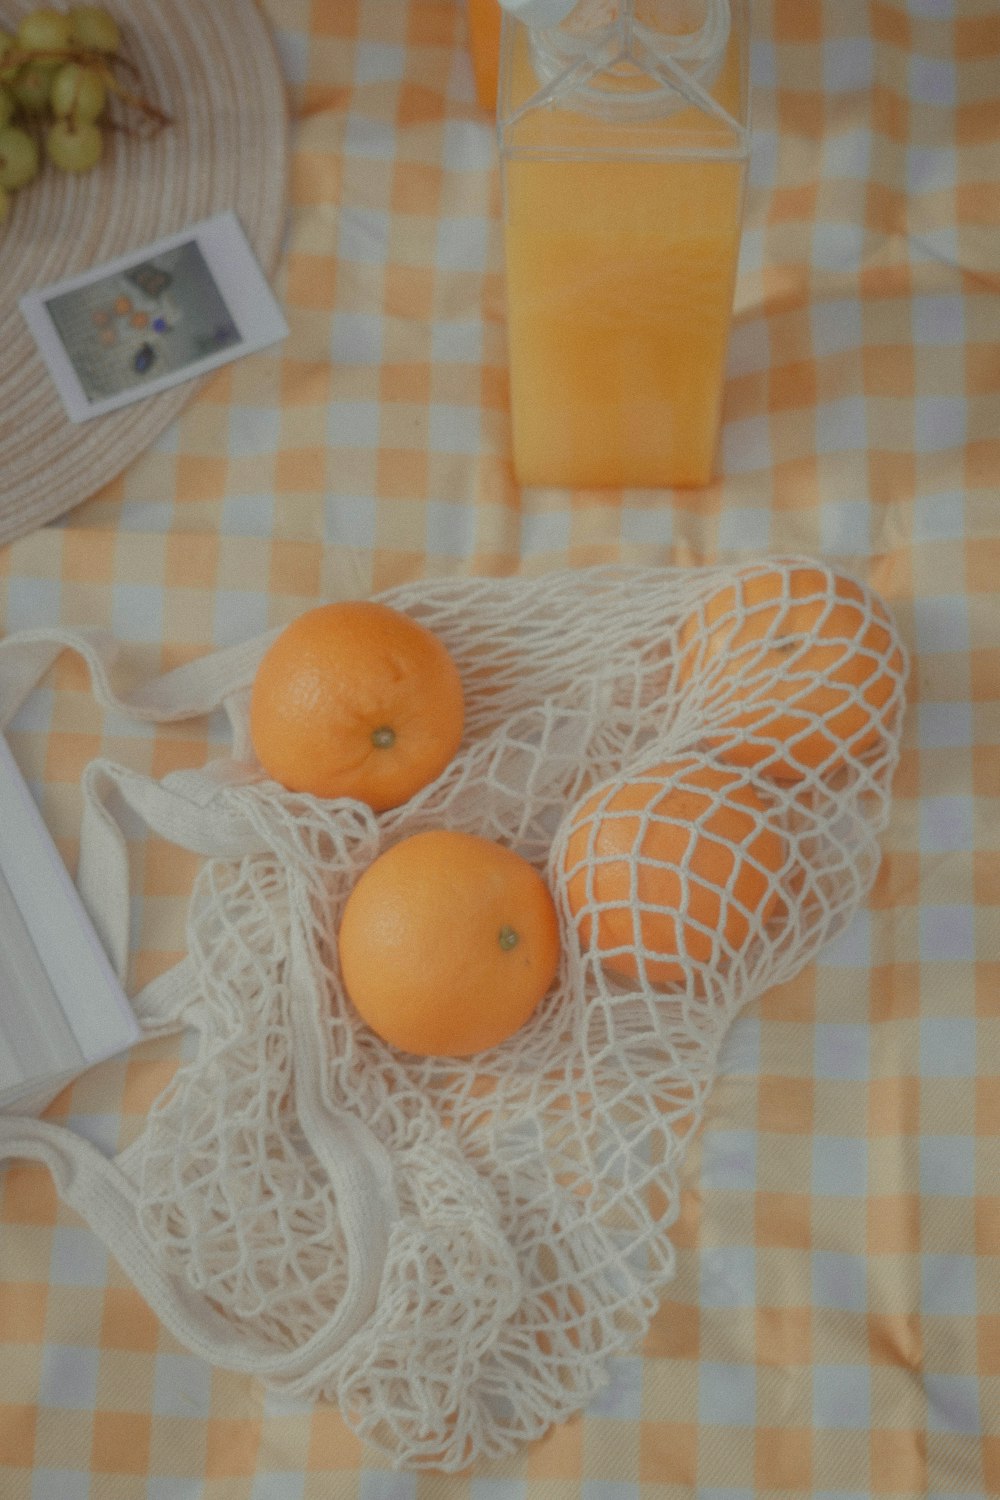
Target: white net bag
x: 452, y: 1250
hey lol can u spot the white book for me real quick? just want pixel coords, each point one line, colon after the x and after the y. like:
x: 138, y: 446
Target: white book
x: 62, y: 1007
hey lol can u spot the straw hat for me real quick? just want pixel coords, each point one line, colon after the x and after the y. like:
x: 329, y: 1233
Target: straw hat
x: 212, y: 66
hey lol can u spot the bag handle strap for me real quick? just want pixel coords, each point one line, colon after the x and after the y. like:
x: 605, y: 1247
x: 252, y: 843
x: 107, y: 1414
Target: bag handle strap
x: 179, y: 808
x: 99, y: 1191
x: 186, y: 692
x: 192, y: 810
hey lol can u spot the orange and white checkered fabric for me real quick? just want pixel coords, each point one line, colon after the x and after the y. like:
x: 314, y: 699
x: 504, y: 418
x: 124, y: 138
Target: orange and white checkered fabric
x: 834, y: 1327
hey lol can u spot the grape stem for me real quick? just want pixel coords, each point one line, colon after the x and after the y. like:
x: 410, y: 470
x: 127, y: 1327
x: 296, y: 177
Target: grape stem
x: 134, y: 101
x: 99, y: 61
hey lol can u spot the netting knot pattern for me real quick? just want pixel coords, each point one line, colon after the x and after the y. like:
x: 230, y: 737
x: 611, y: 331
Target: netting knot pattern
x: 453, y: 1250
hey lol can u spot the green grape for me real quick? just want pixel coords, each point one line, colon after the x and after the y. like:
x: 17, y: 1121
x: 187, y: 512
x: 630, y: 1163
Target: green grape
x: 32, y: 86
x: 4, y: 204
x: 6, y: 105
x: 44, y: 31
x: 18, y: 157
x: 78, y: 93
x: 74, y: 148
x: 94, y: 28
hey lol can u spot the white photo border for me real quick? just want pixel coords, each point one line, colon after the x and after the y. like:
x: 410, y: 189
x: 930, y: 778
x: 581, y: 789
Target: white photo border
x: 241, y: 282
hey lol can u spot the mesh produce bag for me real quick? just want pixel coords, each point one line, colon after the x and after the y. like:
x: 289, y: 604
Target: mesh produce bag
x: 450, y: 1249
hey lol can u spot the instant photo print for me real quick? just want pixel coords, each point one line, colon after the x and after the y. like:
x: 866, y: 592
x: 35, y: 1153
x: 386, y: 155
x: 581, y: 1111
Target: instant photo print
x: 158, y: 316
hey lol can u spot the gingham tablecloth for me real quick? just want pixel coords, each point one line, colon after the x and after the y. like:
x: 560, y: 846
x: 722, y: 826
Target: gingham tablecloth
x: 834, y: 1327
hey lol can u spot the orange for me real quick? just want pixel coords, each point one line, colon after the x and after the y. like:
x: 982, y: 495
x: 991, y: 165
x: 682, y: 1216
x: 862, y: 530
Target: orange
x: 678, y: 861
x: 447, y: 944
x: 829, y: 652
x: 356, y: 700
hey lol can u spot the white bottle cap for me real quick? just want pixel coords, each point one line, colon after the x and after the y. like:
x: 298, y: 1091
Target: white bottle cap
x: 539, y: 12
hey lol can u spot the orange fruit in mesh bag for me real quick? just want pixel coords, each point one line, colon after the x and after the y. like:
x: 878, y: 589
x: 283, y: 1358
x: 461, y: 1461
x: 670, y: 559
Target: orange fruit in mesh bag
x: 356, y: 700
x: 808, y: 661
x: 447, y: 943
x: 679, y: 862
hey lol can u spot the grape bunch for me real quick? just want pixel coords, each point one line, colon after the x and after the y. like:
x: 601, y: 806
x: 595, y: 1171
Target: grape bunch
x: 58, y: 73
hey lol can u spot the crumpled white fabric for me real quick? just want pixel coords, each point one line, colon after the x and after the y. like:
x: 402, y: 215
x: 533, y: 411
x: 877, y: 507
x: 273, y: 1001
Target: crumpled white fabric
x: 450, y: 1250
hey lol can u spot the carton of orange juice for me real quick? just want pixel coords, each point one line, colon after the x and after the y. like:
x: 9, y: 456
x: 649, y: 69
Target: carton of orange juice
x: 624, y: 139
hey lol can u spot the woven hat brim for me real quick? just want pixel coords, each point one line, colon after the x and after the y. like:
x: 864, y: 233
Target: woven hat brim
x: 212, y: 65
